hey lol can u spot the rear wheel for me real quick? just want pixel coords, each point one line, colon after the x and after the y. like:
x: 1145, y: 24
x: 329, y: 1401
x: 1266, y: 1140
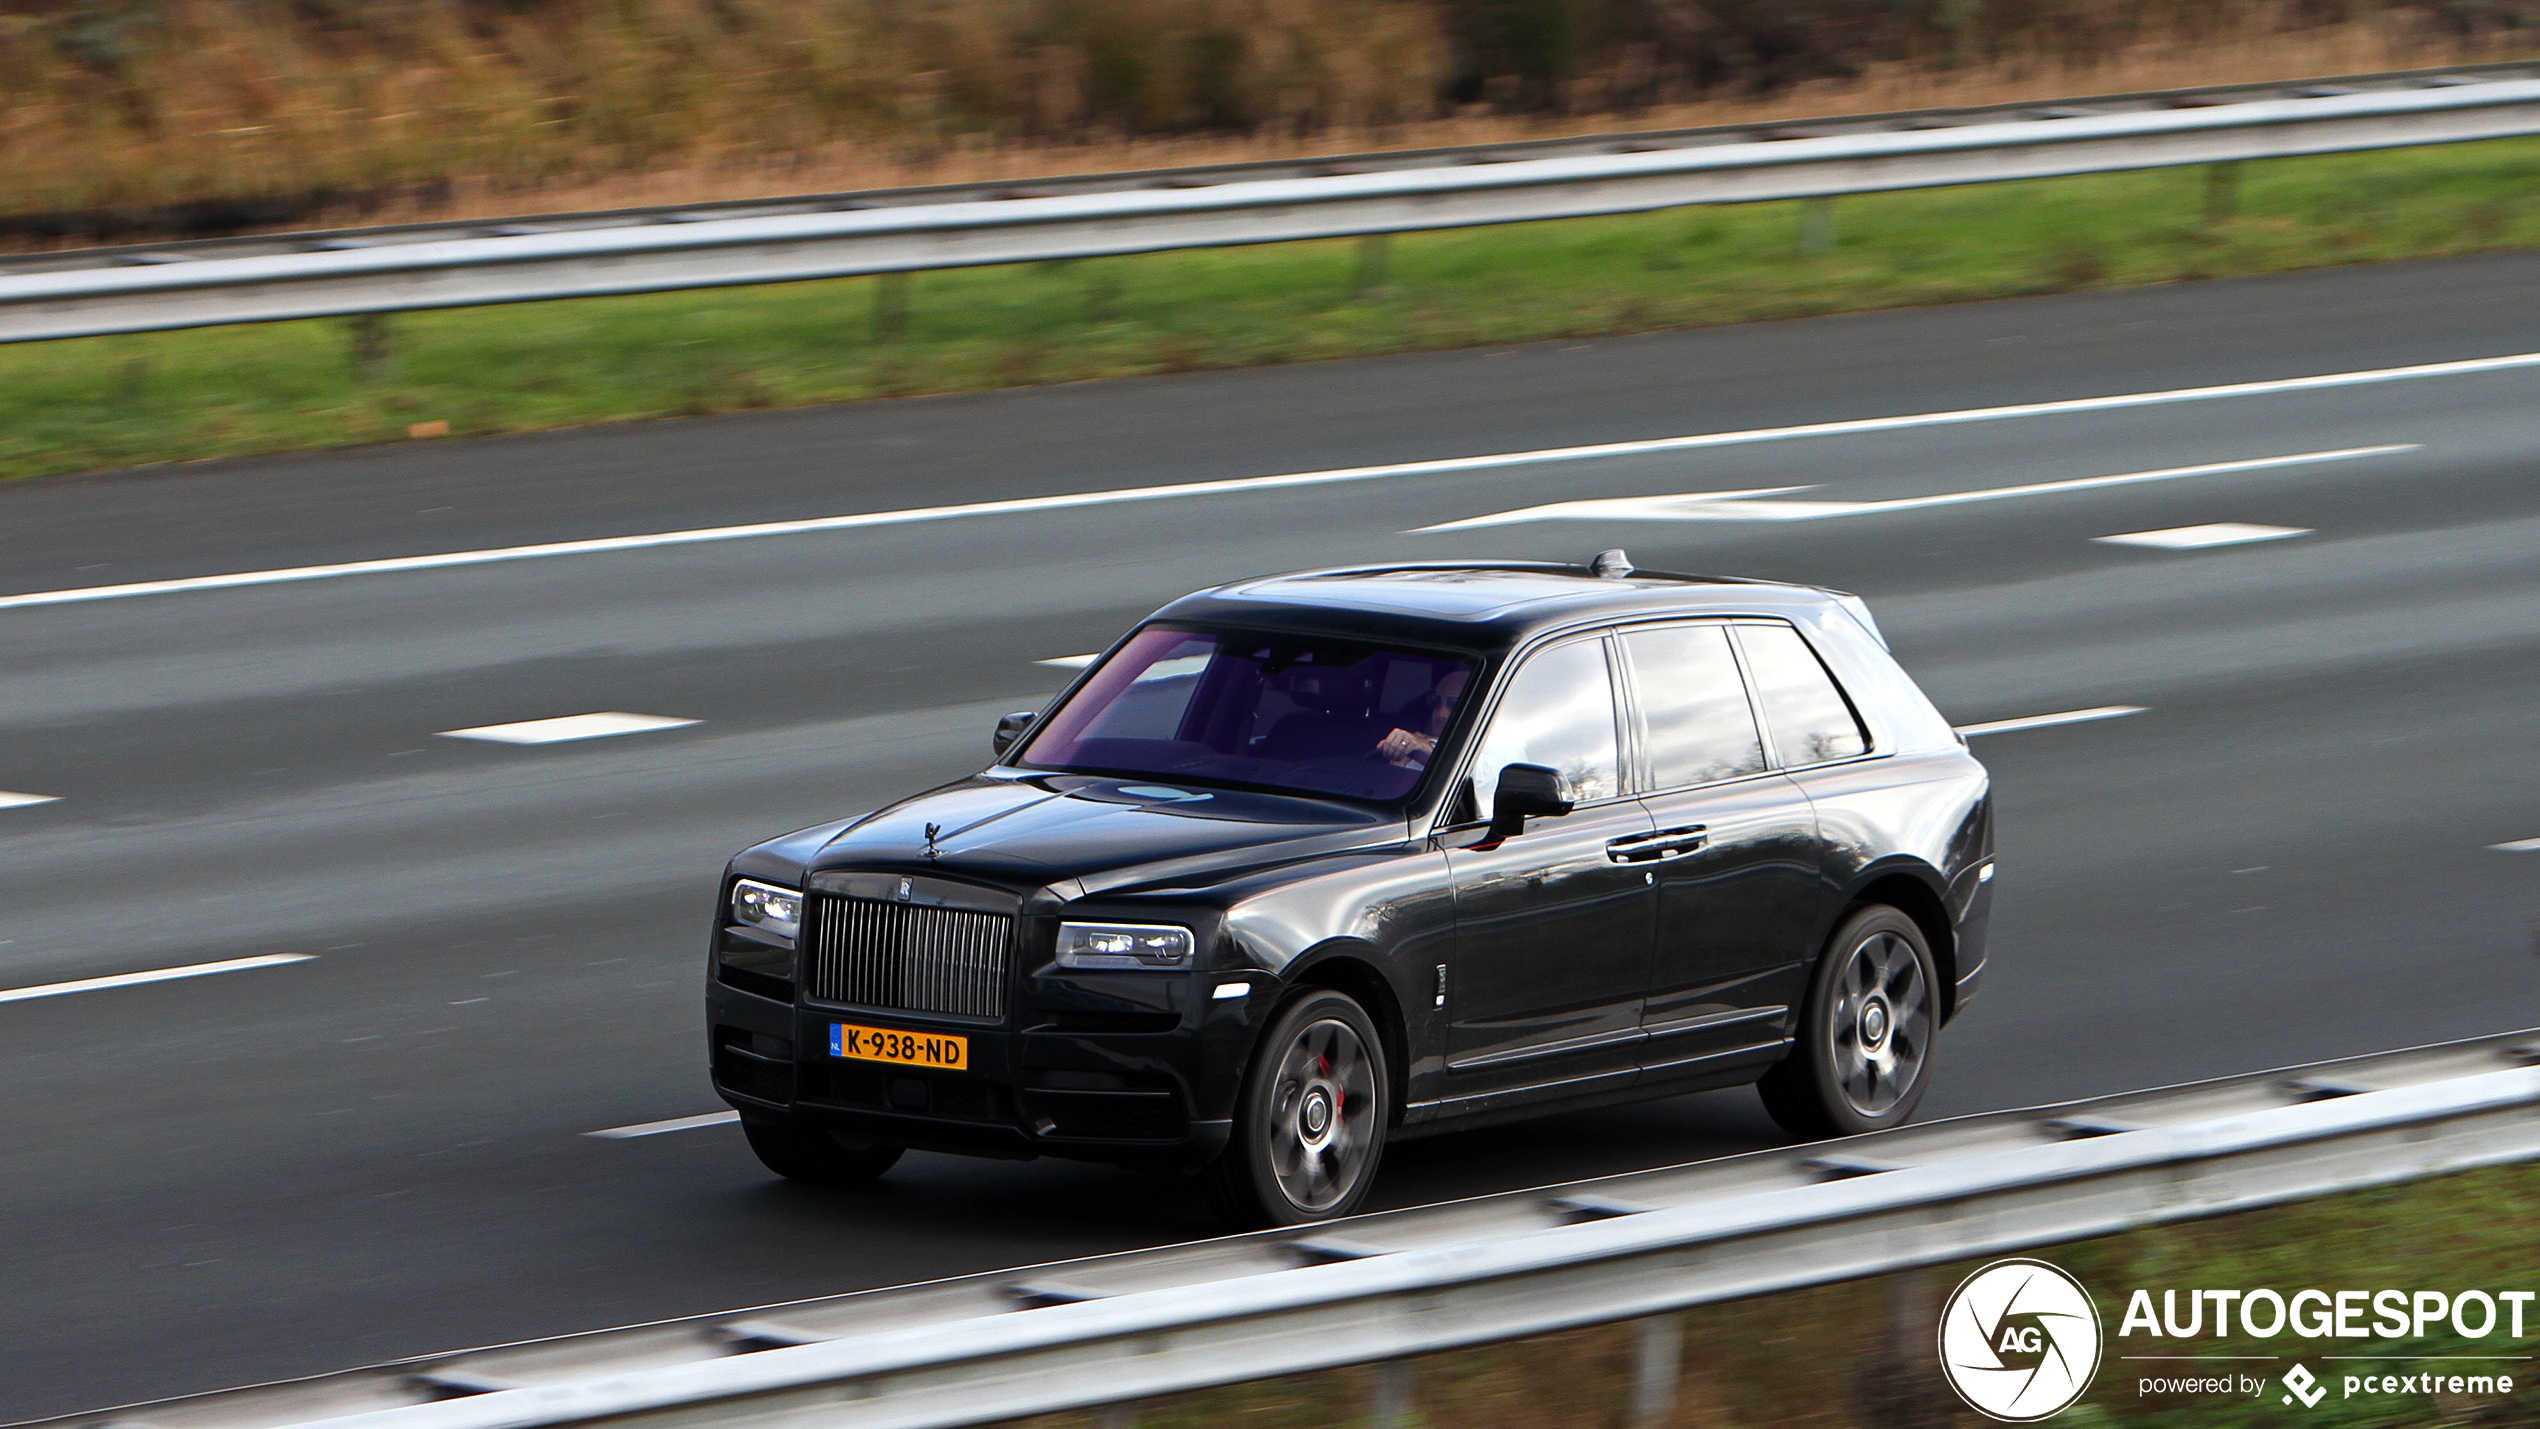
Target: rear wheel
x: 814, y: 1156
x: 1310, y: 1125
x: 1863, y: 1053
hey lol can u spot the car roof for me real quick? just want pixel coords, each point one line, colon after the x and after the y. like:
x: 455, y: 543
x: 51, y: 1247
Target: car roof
x: 1482, y: 604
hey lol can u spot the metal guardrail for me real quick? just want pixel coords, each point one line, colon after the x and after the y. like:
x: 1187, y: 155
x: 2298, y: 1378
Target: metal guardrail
x: 1385, y: 1286
x: 392, y: 270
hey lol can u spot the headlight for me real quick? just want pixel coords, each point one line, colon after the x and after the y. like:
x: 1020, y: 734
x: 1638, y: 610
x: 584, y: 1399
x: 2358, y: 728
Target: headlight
x: 1123, y: 945
x: 764, y: 905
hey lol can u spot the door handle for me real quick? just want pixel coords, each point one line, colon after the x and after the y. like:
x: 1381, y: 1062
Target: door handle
x: 1658, y: 847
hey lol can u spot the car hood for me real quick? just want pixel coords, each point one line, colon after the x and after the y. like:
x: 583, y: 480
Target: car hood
x: 1102, y: 835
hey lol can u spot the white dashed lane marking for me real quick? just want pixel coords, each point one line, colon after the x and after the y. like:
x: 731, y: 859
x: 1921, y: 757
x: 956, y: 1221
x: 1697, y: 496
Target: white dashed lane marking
x: 557, y: 731
x: 2518, y: 846
x: 2197, y: 538
x: 1441, y: 466
x: 99, y: 984
x: 656, y: 1128
x: 2005, y: 726
x: 1740, y: 505
x: 20, y: 801
x: 1068, y: 662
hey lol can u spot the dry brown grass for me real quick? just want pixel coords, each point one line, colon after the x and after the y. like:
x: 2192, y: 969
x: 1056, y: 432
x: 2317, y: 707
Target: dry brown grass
x: 264, y: 116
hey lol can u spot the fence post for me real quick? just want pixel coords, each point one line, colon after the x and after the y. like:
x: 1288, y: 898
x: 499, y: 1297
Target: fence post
x: 890, y: 304
x: 1375, y: 265
x: 1657, y: 1358
x: 1816, y: 226
x: 369, y: 343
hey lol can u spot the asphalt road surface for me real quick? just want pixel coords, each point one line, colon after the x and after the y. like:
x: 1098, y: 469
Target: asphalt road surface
x: 2287, y: 854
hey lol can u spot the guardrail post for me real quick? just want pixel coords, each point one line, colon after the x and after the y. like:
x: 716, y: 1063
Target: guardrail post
x: 1102, y: 295
x: 132, y: 386
x: 1816, y: 226
x: 1657, y: 1357
x: 369, y: 342
x: 890, y: 304
x: 1375, y: 265
x: 1391, y: 1406
x: 2222, y: 191
x: 1117, y: 1416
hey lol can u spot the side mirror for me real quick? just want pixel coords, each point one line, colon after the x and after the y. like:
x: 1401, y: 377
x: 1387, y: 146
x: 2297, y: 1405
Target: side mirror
x: 1525, y: 790
x: 1010, y: 728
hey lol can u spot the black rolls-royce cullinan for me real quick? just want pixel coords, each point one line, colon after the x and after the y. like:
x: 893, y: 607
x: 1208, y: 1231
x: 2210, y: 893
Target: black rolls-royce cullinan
x: 1309, y: 863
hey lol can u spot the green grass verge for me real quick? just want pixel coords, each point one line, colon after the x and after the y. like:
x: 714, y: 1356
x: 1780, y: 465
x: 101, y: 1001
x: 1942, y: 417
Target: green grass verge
x: 1863, y: 1352
x: 107, y: 402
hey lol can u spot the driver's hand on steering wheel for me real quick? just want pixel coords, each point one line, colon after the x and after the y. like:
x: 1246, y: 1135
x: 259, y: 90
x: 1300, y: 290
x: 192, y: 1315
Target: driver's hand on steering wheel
x: 1406, y: 748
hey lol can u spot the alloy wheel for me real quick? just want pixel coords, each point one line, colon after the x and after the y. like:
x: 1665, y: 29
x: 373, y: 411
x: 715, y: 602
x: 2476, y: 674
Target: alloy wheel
x: 1323, y: 1115
x: 1878, y: 1024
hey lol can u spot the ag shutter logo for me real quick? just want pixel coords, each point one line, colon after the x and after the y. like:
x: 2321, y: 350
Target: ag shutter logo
x: 2019, y: 1341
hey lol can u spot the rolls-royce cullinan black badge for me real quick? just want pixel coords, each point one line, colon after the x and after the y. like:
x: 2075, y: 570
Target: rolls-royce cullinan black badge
x: 1309, y: 863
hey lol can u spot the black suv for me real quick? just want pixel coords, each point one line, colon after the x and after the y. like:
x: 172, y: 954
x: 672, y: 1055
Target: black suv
x: 1307, y: 863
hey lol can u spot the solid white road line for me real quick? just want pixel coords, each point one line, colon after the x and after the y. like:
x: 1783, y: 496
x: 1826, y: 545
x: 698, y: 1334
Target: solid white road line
x: 2197, y: 538
x: 20, y: 801
x: 656, y: 1128
x: 1854, y: 427
x: 556, y: 731
x: 1069, y: 662
x: 1733, y: 505
x: 2005, y: 726
x: 2518, y: 846
x: 96, y: 984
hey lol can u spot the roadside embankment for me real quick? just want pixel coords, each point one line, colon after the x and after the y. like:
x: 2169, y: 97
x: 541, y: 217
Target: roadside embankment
x: 143, y: 120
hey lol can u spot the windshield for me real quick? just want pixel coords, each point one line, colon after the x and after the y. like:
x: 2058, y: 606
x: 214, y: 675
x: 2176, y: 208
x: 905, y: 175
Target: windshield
x: 1295, y: 713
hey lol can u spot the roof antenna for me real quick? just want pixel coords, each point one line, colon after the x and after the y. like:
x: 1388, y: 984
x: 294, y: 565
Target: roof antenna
x: 1611, y: 565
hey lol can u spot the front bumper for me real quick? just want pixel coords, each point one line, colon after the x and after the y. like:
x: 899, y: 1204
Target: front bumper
x: 1116, y: 1067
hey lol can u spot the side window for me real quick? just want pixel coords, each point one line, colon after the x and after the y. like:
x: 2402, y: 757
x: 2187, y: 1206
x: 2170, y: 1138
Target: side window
x: 1701, y: 729
x: 1810, y: 720
x: 1559, y: 712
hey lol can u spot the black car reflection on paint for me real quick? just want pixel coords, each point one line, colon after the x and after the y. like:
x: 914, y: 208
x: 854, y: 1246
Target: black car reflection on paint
x: 1312, y: 862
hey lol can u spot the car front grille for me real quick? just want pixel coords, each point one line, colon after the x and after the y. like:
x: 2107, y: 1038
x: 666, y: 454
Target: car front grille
x: 868, y: 953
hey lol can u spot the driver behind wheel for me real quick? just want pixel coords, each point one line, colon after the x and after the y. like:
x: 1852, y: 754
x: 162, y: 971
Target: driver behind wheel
x: 1411, y: 748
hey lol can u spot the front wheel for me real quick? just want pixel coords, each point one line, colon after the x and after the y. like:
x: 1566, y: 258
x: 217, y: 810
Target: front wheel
x: 1863, y: 1052
x: 814, y: 1156
x: 1310, y: 1125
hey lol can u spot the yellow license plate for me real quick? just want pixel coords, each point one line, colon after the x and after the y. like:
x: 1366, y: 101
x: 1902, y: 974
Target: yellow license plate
x: 914, y: 1049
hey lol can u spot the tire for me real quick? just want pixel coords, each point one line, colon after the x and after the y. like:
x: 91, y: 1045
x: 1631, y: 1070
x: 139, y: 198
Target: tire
x: 1311, y: 1120
x: 1863, y: 1053
x: 815, y: 1157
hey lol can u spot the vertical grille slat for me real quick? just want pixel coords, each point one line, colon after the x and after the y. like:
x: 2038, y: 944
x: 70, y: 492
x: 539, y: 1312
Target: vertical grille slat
x: 869, y: 953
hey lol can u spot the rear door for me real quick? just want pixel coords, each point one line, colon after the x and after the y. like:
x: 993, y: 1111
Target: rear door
x: 1552, y: 931
x: 1733, y: 850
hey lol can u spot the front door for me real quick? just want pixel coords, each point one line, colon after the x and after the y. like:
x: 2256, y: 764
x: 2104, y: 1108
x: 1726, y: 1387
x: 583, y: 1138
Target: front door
x: 1552, y: 932
x: 1733, y: 849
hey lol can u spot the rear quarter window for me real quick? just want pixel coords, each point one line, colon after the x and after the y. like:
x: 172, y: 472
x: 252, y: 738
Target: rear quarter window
x: 1805, y: 711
